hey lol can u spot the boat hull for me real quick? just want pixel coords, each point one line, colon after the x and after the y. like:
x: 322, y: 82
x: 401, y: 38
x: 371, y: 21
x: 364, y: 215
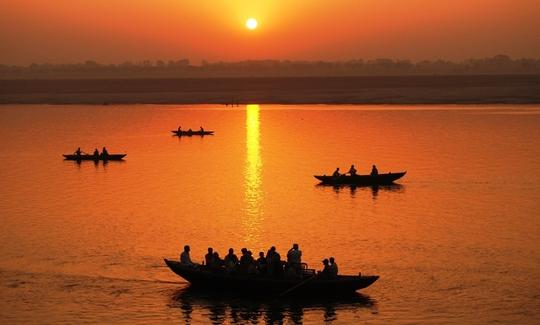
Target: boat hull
x: 256, y: 284
x: 94, y: 158
x: 365, y: 180
x: 190, y: 134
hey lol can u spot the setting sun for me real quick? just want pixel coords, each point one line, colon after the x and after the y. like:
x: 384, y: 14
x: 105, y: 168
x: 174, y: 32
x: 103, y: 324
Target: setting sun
x: 251, y: 23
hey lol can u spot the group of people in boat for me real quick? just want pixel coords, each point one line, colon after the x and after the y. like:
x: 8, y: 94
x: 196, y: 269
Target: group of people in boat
x: 104, y: 153
x: 270, y: 264
x: 352, y: 171
x: 190, y: 131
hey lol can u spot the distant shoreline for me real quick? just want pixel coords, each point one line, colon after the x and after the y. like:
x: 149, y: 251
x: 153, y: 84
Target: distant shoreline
x: 454, y: 89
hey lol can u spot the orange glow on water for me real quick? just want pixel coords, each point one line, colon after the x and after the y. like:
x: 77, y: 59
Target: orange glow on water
x: 462, y: 213
x: 253, y: 177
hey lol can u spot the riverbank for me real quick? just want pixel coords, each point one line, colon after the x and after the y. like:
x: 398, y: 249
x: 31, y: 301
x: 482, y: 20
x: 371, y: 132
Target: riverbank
x: 509, y: 89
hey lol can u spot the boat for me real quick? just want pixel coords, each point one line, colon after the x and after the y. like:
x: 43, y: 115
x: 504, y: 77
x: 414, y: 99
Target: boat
x: 95, y: 158
x: 365, y: 180
x: 310, y: 283
x: 191, y: 133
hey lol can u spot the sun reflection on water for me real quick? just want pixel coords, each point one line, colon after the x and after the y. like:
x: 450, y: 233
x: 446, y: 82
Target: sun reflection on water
x: 253, y: 179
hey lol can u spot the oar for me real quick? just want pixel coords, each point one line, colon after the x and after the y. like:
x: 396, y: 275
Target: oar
x: 286, y: 292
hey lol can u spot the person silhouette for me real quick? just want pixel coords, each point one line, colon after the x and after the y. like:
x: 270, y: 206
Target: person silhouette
x: 374, y: 171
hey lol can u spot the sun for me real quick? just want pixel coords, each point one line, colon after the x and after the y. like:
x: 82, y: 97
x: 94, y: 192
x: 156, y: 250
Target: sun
x: 251, y: 23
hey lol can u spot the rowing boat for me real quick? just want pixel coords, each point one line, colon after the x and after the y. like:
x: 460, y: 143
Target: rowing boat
x: 94, y: 157
x: 310, y: 283
x: 369, y: 180
x: 192, y: 133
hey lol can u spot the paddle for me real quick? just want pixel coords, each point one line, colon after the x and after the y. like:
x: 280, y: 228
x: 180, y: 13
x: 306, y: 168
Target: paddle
x: 284, y: 293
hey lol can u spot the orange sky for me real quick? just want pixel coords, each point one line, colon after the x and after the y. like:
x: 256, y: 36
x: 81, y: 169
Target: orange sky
x: 113, y: 31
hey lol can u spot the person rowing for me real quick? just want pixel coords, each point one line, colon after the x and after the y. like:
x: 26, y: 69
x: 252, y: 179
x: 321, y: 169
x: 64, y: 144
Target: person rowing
x: 78, y: 152
x: 352, y: 170
x: 179, y: 129
x: 104, y: 153
x: 336, y: 173
x: 201, y: 129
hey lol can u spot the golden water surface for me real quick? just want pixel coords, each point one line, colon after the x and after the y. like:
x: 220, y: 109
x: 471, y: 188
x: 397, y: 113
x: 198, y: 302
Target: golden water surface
x: 457, y: 241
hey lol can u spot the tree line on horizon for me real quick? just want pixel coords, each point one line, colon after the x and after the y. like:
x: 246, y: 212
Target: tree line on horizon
x: 496, y: 65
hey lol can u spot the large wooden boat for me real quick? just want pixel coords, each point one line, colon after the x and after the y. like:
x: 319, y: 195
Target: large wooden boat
x: 94, y: 157
x: 310, y: 283
x: 191, y: 133
x: 366, y: 180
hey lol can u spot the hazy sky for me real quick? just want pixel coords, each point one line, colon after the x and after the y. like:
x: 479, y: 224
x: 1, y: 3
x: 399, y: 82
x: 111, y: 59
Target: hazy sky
x: 113, y: 31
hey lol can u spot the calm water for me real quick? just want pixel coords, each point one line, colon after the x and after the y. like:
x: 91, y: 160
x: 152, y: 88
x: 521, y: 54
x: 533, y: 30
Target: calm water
x: 457, y: 241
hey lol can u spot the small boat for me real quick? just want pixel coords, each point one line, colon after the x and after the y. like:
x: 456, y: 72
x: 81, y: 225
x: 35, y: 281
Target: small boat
x: 310, y: 283
x: 95, y: 158
x: 191, y: 133
x: 366, y: 180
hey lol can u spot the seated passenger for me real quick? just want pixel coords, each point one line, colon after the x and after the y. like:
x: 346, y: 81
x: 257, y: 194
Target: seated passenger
x: 185, y: 259
x: 261, y: 263
x: 245, y: 260
x: 209, y: 257
x: 352, y: 170
x: 277, y: 265
x: 230, y: 260
x: 269, y: 254
x: 294, y: 259
x: 374, y: 171
x: 217, y: 262
x: 190, y: 131
x: 269, y: 260
x: 104, y: 153
x: 326, y: 272
x: 336, y: 173
x: 251, y: 266
x: 96, y: 153
x: 333, y: 267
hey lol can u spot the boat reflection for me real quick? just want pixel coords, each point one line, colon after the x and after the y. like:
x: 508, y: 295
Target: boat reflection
x: 95, y: 162
x: 396, y: 188
x: 253, y: 179
x: 226, y: 308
